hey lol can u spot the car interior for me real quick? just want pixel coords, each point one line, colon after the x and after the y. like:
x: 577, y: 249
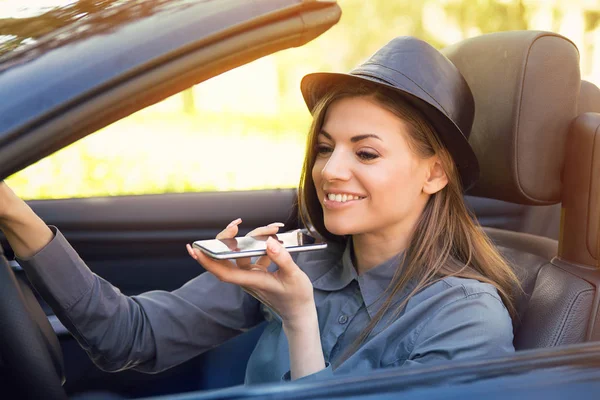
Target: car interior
x: 527, y: 88
x: 538, y: 196
x: 524, y: 125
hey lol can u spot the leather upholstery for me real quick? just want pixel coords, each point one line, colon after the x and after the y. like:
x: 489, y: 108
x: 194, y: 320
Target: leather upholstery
x: 558, y: 310
x: 554, y: 305
x: 533, y: 149
x: 589, y: 98
x: 581, y: 197
x: 525, y: 85
x: 536, y: 220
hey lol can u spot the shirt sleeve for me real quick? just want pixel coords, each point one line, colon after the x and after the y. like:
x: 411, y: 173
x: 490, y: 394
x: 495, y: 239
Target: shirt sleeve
x: 326, y: 372
x: 149, y: 332
x: 477, y: 325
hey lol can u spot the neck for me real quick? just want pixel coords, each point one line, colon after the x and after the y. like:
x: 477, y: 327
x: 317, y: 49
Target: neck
x: 370, y: 250
x: 379, y: 245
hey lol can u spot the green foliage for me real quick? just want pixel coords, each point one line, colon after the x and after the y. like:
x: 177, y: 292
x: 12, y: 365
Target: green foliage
x: 195, y: 150
x: 150, y: 153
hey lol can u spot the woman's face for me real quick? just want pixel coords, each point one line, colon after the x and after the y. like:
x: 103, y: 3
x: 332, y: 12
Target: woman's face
x: 367, y: 178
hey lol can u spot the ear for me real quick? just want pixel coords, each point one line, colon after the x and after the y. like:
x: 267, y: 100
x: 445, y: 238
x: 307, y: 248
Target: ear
x: 436, y: 178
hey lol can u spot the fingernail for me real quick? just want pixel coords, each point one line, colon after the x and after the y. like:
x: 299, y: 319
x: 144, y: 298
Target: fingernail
x: 278, y: 224
x: 234, y: 222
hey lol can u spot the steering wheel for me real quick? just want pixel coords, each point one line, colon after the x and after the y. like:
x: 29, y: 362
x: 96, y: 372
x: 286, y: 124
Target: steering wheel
x: 31, y: 356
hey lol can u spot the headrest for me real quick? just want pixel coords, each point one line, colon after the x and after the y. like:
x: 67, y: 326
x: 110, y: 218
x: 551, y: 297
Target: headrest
x: 579, y: 240
x: 525, y: 85
x: 589, y: 98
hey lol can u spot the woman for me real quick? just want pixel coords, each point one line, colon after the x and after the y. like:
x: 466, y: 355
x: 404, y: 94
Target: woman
x: 408, y: 277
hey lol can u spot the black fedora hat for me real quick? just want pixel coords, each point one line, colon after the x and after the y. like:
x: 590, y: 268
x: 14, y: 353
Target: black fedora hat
x: 427, y: 80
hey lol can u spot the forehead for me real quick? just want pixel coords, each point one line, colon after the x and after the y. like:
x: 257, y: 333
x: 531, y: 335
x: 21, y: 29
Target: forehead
x: 351, y: 116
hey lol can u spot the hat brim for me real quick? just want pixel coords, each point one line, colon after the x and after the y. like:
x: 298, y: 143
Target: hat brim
x: 316, y: 85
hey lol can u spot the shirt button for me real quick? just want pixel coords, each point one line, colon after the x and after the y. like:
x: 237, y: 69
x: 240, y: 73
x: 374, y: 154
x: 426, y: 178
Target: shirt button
x: 343, y: 319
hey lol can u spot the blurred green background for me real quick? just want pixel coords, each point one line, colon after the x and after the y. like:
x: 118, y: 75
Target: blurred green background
x: 246, y: 129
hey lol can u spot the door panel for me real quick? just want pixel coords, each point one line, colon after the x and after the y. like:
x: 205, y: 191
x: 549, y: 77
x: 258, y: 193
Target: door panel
x: 138, y: 244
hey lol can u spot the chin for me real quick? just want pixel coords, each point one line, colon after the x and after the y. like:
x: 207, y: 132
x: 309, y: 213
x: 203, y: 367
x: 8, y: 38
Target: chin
x: 340, y: 229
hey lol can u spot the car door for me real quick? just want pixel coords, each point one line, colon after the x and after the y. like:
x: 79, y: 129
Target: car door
x: 118, y: 60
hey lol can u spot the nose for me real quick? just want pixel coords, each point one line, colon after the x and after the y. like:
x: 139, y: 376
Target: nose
x: 337, y: 167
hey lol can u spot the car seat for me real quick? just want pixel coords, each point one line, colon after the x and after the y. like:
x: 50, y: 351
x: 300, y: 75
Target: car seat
x: 527, y: 129
x: 537, y: 220
x: 537, y: 145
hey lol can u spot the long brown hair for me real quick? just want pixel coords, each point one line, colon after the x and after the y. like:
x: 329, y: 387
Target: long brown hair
x: 446, y: 241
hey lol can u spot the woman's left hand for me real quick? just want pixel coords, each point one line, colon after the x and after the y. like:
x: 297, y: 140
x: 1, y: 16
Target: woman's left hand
x: 287, y: 291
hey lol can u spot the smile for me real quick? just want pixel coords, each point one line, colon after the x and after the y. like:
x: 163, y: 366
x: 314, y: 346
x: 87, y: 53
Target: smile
x: 342, y: 197
x: 335, y: 200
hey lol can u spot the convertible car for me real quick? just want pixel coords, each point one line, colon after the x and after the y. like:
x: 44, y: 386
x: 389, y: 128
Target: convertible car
x: 536, y: 134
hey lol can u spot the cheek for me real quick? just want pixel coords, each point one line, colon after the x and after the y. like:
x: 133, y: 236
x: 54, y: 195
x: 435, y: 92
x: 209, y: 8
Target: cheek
x: 316, y: 174
x: 399, y: 185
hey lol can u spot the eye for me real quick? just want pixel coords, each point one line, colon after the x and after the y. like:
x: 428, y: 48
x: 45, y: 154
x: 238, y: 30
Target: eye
x: 367, y: 155
x: 323, y: 149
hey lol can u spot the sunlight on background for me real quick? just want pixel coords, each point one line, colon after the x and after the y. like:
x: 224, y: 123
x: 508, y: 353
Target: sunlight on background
x: 246, y: 128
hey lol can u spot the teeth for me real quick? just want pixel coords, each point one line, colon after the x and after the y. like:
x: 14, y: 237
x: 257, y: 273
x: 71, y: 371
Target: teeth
x: 342, y: 198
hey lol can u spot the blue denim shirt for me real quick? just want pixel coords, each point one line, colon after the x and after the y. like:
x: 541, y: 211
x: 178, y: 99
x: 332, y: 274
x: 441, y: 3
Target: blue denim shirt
x: 451, y: 319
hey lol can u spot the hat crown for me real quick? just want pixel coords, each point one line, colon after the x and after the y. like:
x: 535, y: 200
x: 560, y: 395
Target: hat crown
x: 413, y: 65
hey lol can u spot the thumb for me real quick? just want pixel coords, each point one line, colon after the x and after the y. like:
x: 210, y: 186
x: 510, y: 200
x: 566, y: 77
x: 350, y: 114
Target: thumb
x: 280, y: 255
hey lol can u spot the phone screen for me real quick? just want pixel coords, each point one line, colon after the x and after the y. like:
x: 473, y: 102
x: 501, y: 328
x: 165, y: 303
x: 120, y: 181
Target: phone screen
x: 256, y: 245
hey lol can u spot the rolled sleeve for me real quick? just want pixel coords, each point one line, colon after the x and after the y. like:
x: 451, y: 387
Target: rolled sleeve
x: 58, y: 267
x: 475, y: 326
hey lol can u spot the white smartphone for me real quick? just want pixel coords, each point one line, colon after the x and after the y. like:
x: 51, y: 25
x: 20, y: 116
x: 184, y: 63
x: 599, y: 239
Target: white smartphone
x: 250, y: 246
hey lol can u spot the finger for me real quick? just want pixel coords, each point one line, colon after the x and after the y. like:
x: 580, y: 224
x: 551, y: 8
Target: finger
x: 210, y: 263
x: 226, y: 272
x: 266, y: 230
x: 191, y: 251
x: 263, y: 262
x: 244, y: 262
x: 280, y: 256
x: 231, y: 230
x: 271, y: 229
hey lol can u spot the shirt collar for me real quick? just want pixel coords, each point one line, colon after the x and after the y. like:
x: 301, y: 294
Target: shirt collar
x: 326, y: 269
x: 333, y: 269
x: 374, y: 282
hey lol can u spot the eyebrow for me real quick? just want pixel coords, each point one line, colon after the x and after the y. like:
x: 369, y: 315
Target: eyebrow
x: 354, y: 139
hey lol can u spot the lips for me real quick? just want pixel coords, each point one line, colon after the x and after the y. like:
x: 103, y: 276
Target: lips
x: 340, y: 200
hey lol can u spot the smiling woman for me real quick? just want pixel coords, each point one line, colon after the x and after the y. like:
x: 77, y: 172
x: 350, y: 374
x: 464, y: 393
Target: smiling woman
x: 408, y: 279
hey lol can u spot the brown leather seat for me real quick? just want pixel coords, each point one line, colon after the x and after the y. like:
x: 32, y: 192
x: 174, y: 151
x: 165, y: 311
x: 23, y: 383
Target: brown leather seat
x: 537, y: 220
x: 536, y: 150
